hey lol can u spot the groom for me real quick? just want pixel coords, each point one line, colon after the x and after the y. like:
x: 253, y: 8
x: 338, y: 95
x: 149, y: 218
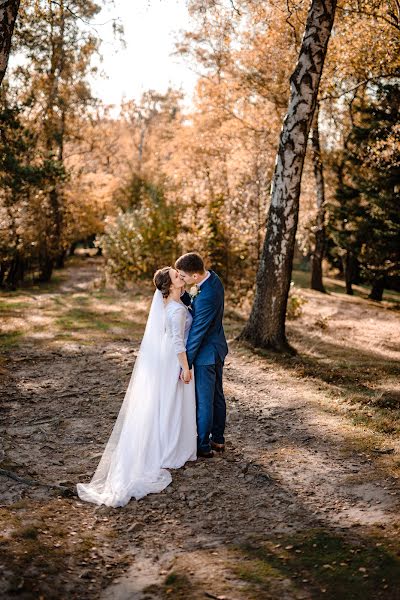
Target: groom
x: 206, y: 349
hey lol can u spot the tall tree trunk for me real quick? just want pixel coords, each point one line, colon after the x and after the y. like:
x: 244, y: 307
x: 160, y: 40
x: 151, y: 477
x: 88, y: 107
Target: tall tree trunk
x: 54, y: 126
x: 60, y: 259
x: 15, y: 273
x: 266, y: 325
x: 72, y: 248
x: 378, y: 287
x: 3, y: 270
x: 318, y: 254
x: 46, y: 266
x: 8, y: 15
x: 348, y: 268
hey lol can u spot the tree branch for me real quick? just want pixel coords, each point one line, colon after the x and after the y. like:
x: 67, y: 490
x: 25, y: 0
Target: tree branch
x: 390, y: 22
x: 355, y: 87
x: 79, y: 18
x: 237, y: 11
x: 64, y: 491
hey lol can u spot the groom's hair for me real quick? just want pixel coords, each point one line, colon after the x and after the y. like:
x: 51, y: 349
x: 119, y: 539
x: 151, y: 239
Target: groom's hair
x: 190, y: 263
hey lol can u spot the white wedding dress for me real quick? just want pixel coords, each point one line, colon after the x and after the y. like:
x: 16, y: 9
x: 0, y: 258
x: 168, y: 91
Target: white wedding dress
x: 156, y: 425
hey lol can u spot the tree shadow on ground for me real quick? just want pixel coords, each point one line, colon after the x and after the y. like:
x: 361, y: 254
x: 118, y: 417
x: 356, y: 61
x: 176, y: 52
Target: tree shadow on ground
x: 274, y: 543
x: 257, y: 544
x: 328, y: 564
x: 363, y: 377
x: 282, y: 546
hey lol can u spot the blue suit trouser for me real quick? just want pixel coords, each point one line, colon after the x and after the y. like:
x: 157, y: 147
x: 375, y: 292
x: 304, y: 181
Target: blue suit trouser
x: 210, y: 405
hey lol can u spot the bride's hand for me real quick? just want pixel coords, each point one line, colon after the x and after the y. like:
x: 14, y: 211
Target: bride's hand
x: 186, y: 376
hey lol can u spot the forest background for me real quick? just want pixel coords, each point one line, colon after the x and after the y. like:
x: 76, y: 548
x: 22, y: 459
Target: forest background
x: 157, y: 179
x: 305, y: 501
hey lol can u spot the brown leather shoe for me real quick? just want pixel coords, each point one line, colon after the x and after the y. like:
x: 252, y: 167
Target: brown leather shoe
x: 218, y: 447
x: 201, y: 454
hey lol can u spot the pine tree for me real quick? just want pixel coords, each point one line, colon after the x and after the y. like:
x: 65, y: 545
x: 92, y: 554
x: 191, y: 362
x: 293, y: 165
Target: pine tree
x: 26, y: 177
x: 366, y: 217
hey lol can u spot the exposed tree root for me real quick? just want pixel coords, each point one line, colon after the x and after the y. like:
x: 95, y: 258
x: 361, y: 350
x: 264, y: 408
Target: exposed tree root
x: 62, y: 490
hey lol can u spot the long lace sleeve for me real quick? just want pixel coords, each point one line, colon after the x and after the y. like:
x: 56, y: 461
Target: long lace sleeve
x: 177, y: 320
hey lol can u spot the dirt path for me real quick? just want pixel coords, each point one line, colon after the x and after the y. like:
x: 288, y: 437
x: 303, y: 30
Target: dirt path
x: 304, y: 504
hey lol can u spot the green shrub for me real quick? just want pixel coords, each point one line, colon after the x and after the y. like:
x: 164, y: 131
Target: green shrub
x: 140, y: 240
x: 295, y: 302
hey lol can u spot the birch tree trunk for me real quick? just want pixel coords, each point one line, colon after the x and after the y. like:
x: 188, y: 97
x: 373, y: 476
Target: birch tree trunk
x: 318, y: 254
x: 8, y: 15
x: 266, y: 325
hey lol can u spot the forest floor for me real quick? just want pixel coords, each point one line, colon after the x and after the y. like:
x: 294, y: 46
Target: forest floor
x: 304, y: 504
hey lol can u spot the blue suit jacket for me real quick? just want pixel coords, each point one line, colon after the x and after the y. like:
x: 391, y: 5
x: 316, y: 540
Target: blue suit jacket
x: 206, y: 343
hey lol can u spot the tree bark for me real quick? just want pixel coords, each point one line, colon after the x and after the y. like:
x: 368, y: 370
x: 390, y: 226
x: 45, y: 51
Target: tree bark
x: 46, y: 264
x: 8, y: 15
x: 54, y: 127
x: 72, y: 248
x: 378, y: 287
x: 318, y: 254
x: 266, y: 325
x: 60, y: 260
x: 348, y: 268
x: 15, y: 274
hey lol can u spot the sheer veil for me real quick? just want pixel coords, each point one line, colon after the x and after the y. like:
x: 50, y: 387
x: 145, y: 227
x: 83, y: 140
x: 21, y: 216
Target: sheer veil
x: 131, y: 463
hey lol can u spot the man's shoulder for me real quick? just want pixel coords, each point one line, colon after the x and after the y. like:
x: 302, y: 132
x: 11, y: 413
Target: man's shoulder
x: 211, y: 285
x: 212, y: 291
x: 215, y: 281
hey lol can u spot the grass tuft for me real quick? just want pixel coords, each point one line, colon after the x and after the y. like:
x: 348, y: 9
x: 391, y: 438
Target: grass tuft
x: 324, y: 563
x: 29, y: 532
x: 10, y: 340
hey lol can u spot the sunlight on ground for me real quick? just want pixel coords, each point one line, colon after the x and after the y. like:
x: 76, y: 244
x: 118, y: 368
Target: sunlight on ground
x: 294, y: 452
x: 302, y: 279
x: 77, y: 316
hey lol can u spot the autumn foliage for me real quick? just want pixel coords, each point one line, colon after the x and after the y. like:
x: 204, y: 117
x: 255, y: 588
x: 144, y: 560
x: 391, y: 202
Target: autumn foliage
x: 160, y: 179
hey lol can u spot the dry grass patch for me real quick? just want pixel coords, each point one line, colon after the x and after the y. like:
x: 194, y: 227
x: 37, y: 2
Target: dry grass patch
x: 324, y: 563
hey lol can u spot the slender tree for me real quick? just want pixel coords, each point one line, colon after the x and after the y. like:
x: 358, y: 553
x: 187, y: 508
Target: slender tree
x: 266, y: 325
x: 8, y: 14
x: 319, y: 227
x: 59, y: 53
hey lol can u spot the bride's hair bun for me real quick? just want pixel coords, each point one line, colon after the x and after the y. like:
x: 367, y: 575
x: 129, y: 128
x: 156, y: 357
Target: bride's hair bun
x: 162, y: 281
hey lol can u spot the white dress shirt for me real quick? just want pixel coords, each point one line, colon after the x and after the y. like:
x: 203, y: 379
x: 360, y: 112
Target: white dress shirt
x: 205, y: 279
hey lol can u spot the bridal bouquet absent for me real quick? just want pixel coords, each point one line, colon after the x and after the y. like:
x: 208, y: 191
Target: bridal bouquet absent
x: 194, y: 290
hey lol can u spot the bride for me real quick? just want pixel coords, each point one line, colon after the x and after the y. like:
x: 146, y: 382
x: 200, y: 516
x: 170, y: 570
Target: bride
x: 156, y: 425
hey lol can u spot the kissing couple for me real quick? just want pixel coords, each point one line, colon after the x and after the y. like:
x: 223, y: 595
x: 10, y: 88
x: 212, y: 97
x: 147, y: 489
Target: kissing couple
x: 174, y: 408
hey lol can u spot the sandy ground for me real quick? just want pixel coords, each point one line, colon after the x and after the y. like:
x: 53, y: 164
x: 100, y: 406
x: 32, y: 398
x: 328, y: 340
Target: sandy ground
x: 303, y: 504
